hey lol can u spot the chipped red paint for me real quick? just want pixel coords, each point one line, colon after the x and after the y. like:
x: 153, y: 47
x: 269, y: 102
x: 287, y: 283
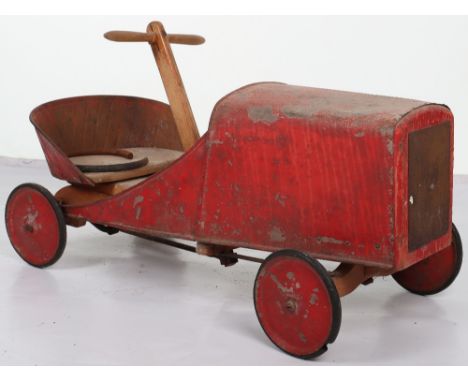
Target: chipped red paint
x: 320, y: 171
x: 167, y: 203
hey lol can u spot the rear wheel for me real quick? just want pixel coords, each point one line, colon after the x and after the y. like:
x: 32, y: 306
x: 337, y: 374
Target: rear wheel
x: 35, y: 225
x: 435, y: 273
x: 297, y: 304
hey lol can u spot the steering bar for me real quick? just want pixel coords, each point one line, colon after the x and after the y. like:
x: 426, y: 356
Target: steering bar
x: 125, y: 36
x: 160, y: 43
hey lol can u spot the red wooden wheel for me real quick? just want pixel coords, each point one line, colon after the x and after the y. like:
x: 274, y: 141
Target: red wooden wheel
x: 297, y: 303
x: 35, y: 225
x: 435, y: 273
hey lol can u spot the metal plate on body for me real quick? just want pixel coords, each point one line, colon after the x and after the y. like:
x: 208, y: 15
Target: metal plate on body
x: 428, y: 184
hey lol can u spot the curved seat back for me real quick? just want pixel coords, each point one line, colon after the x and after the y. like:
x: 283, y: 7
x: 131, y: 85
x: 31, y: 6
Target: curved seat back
x: 84, y: 124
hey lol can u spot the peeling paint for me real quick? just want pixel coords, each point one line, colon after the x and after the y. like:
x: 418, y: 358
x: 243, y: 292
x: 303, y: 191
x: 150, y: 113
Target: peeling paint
x: 302, y: 337
x: 262, y: 114
x: 390, y: 146
x: 31, y: 217
x: 215, y: 228
x: 138, y: 213
x: 281, y: 199
x: 280, y: 307
x: 313, y: 299
x: 386, y: 131
x: 290, y: 275
x: 277, y: 235
x: 359, y: 134
x: 331, y: 240
x: 280, y: 286
x: 138, y: 199
x: 298, y: 111
x: 214, y: 142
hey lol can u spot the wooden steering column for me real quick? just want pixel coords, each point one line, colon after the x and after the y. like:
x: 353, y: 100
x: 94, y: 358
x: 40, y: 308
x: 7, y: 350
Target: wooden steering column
x: 160, y: 43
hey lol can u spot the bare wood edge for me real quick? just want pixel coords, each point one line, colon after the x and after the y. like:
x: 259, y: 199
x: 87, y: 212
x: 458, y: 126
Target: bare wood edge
x: 117, y: 152
x: 127, y: 36
x: 186, y: 39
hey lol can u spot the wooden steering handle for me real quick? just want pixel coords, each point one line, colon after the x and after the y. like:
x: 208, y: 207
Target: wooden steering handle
x: 125, y: 36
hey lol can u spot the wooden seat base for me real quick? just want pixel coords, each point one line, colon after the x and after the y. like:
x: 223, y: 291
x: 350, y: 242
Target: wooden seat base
x: 115, y: 188
x: 73, y: 195
x: 112, y: 183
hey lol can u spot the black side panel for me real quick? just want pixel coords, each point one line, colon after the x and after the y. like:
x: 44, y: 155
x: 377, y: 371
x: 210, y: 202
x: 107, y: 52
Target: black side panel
x: 428, y: 184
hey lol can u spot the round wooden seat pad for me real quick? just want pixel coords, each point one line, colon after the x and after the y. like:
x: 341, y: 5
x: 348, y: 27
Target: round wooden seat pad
x: 107, y: 162
x: 157, y: 159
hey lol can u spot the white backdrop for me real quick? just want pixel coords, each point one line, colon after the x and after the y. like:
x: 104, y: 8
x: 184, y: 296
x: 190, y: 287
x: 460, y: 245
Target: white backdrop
x: 45, y: 58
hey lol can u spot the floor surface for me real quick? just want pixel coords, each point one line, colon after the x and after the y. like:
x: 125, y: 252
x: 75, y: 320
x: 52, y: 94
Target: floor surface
x: 125, y: 301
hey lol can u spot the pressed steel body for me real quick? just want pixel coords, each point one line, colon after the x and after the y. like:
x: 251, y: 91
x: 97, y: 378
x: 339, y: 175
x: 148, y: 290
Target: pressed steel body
x: 283, y: 166
x: 355, y: 178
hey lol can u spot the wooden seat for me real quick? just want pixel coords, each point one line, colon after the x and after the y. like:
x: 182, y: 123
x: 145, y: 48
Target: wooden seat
x: 158, y: 159
x: 73, y: 195
x: 115, y: 188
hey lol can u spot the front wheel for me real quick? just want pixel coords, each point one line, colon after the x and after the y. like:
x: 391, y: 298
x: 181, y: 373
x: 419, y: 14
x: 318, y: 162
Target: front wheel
x: 297, y: 304
x: 35, y: 225
x: 435, y: 273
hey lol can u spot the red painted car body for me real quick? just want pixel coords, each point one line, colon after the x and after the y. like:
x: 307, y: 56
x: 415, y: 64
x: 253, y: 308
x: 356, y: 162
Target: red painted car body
x: 321, y: 171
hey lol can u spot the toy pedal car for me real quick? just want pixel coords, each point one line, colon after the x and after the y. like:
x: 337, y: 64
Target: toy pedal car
x: 305, y: 173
